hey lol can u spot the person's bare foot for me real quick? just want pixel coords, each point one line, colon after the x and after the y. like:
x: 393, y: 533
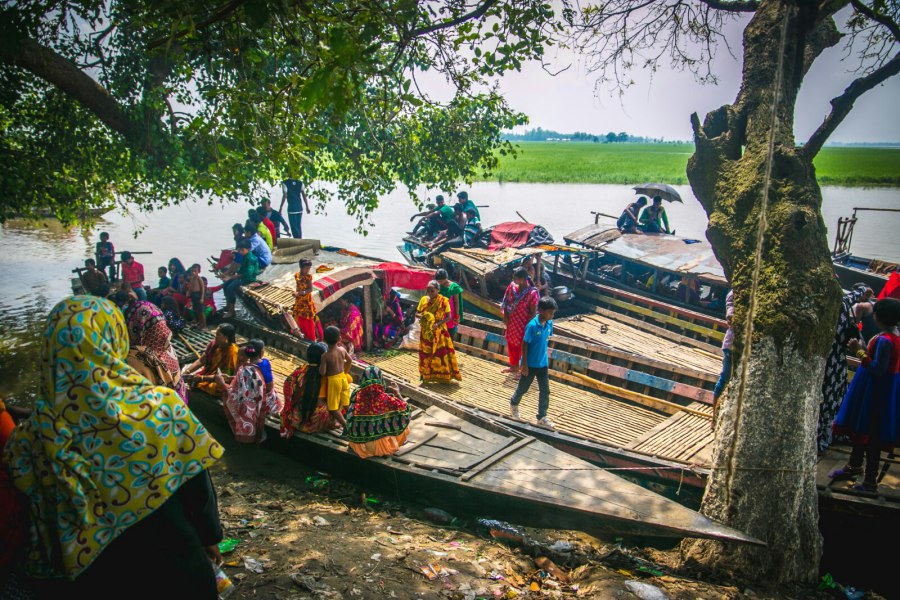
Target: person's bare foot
x: 506, y: 370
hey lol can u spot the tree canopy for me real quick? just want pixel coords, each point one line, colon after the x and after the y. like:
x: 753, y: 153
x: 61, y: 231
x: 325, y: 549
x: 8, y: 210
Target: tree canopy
x: 149, y: 102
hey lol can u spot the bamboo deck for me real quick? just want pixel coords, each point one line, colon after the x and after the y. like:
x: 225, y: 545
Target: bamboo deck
x: 635, y: 341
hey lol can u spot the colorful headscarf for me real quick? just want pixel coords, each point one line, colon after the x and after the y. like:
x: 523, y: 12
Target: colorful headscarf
x: 373, y: 413
x: 104, y: 447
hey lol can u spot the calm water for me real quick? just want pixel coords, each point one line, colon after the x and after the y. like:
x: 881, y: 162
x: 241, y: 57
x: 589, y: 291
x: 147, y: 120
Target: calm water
x: 36, y: 261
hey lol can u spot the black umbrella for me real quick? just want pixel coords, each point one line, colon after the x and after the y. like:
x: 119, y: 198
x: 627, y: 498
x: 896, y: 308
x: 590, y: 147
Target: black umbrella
x: 664, y: 191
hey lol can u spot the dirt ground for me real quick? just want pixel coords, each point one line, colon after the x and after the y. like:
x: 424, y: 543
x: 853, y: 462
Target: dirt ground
x: 305, y: 535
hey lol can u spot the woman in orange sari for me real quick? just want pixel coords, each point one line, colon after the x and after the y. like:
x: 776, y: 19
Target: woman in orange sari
x: 304, y: 397
x: 437, y: 358
x: 220, y: 355
x: 351, y: 325
x: 304, y: 307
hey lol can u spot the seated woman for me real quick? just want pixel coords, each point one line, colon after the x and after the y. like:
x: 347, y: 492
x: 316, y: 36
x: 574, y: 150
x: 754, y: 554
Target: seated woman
x: 247, y: 400
x: 220, y: 355
x: 351, y: 325
x: 304, y: 397
x: 136, y: 476
x: 377, y: 422
x: 391, y: 327
x: 147, y: 327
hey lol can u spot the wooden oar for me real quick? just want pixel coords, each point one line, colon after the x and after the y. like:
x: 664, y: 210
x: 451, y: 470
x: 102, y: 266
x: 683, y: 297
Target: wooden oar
x: 649, y: 401
x: 188, y: 344
x: 521, y: 217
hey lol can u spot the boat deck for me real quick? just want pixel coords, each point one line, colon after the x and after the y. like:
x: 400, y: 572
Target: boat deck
x: 573, y: 410
x: 607, y: 331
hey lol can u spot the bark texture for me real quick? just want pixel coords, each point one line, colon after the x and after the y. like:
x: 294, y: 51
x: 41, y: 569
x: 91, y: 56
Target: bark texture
x: 786, y: 300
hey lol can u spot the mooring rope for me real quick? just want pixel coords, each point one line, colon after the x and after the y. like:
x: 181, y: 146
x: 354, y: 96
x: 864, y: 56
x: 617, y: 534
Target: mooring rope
x: 760, y: 239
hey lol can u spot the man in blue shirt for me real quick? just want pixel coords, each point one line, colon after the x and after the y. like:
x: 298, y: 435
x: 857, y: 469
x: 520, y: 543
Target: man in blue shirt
x: 293, y: 192
x: 258, y: 246
x: 535, y: 362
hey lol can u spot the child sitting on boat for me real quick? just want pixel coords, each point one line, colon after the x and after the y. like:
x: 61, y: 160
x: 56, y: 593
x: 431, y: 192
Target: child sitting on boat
x: 335, y: 368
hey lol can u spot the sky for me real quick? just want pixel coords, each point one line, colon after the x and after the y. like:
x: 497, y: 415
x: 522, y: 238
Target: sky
x: 661, y: 106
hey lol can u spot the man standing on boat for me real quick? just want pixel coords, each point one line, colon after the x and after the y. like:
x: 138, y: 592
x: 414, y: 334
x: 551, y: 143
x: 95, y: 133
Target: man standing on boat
x: 293, y: 192
x: 653, y: 219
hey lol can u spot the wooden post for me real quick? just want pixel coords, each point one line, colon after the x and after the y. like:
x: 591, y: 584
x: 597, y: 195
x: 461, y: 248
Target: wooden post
x: 367, y: 315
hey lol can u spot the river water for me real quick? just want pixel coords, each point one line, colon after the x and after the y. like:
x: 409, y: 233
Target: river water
x: 36, y: 261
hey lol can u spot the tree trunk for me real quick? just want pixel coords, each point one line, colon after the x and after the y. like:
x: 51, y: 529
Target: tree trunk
x: 786, y: 301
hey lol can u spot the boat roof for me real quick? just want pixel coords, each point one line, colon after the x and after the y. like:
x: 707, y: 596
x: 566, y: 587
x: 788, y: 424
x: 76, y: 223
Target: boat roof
x: 336, y: 272
x: 657, y: 250
x: 481, y: 261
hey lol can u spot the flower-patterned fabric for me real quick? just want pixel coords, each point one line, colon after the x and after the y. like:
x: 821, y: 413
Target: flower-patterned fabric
x: 104, y: 447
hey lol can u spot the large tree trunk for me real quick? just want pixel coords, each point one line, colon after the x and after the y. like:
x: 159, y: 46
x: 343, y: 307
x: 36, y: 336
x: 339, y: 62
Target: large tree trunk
x: 786, y: 299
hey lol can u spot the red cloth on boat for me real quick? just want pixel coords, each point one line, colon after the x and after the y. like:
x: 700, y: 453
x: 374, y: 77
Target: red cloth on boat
x: 226, y: 257
x: 401, y: 276
x: 510, y: 235
x: 891, y: 289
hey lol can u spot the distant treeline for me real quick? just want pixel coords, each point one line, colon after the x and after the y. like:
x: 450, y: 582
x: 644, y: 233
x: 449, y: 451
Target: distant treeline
x: 548, y: 135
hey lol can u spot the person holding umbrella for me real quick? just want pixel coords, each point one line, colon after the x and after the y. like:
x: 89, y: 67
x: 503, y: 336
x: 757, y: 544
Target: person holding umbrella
x: 653, y: 219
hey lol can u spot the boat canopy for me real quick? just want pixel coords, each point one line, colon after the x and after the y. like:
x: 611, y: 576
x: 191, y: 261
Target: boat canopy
x: 515, y: 234
x: 659, y: 251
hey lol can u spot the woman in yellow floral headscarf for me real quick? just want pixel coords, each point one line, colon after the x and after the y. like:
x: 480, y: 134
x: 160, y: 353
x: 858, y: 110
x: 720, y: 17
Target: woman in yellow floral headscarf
x: 437, y: 358
x: 114, y: 468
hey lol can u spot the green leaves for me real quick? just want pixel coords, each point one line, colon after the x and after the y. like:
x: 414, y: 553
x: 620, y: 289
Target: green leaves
x: 224, y: 99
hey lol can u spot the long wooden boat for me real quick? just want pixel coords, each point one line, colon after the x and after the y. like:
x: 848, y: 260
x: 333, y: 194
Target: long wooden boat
x: 852, y: 269
x: 462, y: 461
x: 647, y: 416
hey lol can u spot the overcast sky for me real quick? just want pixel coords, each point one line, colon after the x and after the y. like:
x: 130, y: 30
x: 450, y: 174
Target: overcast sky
x: 661, y: 108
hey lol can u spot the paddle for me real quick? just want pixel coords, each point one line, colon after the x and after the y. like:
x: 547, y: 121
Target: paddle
x: 188, y: 344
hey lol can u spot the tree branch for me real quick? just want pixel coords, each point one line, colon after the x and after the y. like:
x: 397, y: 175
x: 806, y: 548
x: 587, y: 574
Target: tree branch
x: 737, y: 6
x: 892, y: 25
x: 220, y: 15
x: 475, y: 14
x: 842, y: 105
x: 65, y: 75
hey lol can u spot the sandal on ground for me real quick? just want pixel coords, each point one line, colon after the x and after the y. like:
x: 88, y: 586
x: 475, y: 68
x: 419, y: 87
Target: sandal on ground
x: 845, y: 472
x: 865, y: 486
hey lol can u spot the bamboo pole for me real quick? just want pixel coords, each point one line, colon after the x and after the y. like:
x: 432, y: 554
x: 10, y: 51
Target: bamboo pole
x: 188, y: 344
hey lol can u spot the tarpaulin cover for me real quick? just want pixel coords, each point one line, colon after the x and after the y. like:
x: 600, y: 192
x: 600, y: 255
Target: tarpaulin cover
x: 401, y: 276
x: 517, y: 235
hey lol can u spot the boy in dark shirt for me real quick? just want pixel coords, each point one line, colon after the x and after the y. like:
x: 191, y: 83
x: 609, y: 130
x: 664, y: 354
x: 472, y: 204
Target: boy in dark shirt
x: 105, y: 254
x: 91, y: 277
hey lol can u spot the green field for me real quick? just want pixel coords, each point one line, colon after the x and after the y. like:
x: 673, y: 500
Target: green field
x: 578, y: 162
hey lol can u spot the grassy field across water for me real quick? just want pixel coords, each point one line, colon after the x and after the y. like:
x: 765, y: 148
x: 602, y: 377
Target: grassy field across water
x: 585, y: 162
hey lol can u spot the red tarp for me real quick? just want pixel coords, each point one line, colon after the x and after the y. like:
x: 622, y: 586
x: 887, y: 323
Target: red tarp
x: 401, y: 276
x: 891, y: 289
x: 510, y: 235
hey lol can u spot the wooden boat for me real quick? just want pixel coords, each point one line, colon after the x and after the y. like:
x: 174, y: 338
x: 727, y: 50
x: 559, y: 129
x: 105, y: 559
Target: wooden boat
x: 852, y: 269
x: 464, y: 462
x: 616, y: 280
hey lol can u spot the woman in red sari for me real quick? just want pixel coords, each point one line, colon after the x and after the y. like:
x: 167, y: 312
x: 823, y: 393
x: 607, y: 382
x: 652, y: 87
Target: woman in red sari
x: 519, y: 307
x: 305, y: 409
x: 351, y: 325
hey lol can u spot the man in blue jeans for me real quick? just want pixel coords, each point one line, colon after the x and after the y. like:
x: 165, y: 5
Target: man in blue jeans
x: 293, y: 193
x: 535, y: 363
x: 727, y: 342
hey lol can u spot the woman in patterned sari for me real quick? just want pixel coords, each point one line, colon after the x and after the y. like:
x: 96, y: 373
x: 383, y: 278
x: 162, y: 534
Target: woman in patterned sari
x: 377, y: 422
x: 114, y: 469
x: 220, y: 355
x: 246, y: 401
x: 519, y: 307
x: 304, y: 308
x: 304, y: 397
x: 351, y: 325
x: 391, y: 325
x: 147, y: 327
x: 437, y: 358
